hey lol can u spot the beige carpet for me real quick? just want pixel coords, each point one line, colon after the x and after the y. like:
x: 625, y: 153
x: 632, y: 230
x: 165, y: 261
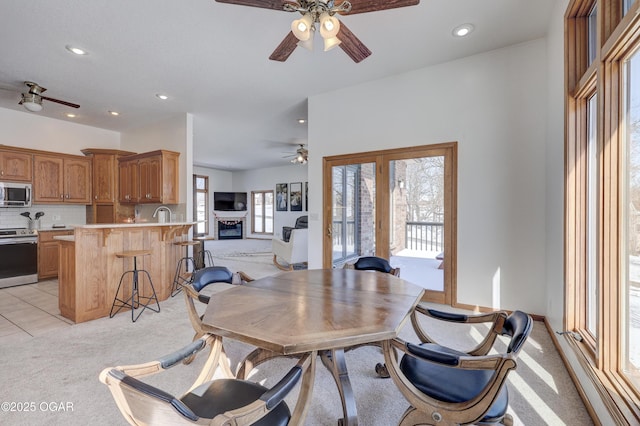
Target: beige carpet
x: 60, y: 370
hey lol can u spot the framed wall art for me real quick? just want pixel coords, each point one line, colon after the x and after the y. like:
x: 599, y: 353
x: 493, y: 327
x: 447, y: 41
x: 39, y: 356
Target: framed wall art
x: 282, y: 197
x: 296, y: 197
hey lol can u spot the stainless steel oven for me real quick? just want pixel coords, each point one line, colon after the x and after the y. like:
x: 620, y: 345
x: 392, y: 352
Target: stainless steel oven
x: 18, y: 257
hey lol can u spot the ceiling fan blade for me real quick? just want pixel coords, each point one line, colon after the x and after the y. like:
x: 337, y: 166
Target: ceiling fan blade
x: 351, y: 45
x: 363, y: 6
x: 285, y: 48
x: 58, y: 101
x: 265, y: 4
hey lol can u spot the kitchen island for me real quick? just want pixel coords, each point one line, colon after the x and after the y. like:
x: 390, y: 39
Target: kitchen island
x: 89, y: 270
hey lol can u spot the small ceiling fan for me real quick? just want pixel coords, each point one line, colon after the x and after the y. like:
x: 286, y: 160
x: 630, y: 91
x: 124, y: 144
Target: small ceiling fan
x: 322, y: 12
x: 32, y: 100
x: 301, y: 156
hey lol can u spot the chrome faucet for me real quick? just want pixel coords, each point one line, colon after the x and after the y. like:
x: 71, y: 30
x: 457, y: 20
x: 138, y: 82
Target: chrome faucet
x: 162, y: 216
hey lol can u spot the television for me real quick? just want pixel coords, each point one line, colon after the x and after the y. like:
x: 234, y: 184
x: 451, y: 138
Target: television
x: 230, y: 201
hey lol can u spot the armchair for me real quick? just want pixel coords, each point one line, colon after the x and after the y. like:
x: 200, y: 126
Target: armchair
x: 454, y: 387
x: 301, y: 223
x: 207, y: 401
x: 293, y: 251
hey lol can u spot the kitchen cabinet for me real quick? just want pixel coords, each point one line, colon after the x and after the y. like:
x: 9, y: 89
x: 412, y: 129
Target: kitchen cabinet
x: 60, y: 179
x: 16, y: 166
x: 106, y: 207
x: 48, y: 253
x: 151, y: 177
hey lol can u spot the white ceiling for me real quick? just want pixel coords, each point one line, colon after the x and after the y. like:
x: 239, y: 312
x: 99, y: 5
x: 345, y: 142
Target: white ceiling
x: 212, y: 60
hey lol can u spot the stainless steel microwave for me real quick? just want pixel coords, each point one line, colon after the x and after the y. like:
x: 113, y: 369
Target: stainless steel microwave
x: 13, y: 194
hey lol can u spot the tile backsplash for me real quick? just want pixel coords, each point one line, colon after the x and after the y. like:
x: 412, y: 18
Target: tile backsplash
x: 53, y: 215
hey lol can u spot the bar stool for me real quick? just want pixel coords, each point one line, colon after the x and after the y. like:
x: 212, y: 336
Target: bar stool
x: 204, y: 257
x: 182, y: 275
x: 135, y: 300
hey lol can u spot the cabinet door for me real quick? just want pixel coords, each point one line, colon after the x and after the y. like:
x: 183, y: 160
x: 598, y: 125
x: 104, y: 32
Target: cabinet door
x: 129, y: 182
x: 77, y: 178
x: 151, y: 179
x: 15, y: 166
x: 48, y: 260
x: 48, y: 182
x: 104, y: 179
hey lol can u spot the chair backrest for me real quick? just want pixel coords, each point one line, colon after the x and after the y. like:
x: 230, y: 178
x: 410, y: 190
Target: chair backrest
x: 302, y: 222
x: 211, y: 274
x: 518, y: 326
x: 373, y: 263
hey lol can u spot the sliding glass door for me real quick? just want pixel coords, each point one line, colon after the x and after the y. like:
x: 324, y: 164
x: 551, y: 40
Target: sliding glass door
x: 397, y: 204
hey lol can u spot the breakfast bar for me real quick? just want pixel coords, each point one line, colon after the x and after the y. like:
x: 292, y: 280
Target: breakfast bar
x: 89, y: 270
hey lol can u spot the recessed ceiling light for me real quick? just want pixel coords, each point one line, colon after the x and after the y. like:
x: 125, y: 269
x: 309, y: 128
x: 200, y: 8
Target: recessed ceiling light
x: 76, y: 50
x: 302, y: 120
x: 116, y: 113
x: 70, y: 115
x: 162, y: 96
x: 463, y: 30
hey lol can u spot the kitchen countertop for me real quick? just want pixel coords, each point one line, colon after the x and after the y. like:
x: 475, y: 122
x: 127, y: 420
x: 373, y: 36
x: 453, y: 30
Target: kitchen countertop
x: 132, y: 225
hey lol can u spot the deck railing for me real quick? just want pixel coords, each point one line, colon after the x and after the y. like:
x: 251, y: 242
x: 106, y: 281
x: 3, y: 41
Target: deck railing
x: 424, y: 236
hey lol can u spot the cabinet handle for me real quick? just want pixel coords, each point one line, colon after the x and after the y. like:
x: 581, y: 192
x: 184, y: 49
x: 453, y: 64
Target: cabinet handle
x: 62, y: 196
x: 67, y: 195
x: 95, y: 197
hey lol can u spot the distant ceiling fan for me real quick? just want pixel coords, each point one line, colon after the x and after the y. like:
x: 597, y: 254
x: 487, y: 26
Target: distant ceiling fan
x: 32, y: 100
x: 301, y: 156
x: 322, y: 12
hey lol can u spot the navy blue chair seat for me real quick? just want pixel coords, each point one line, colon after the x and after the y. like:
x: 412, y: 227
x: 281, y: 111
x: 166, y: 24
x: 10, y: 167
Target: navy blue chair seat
x: 450, y: 384
x: 459, y: 387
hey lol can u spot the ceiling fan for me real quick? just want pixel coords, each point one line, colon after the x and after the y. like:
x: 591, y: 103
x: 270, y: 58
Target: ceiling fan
x: 322, y: 12
x: 301, y: 156
x: 32, y: 100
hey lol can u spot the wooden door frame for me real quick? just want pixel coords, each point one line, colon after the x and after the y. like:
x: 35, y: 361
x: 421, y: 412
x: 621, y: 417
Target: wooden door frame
x: 381, y: 158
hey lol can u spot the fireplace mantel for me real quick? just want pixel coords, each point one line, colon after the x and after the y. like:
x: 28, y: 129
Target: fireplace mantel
x: 229, y: 216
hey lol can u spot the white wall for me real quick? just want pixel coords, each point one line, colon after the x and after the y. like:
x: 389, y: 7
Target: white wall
x: 266, y: 179
x: 30, y: 130
x: 494, y: 105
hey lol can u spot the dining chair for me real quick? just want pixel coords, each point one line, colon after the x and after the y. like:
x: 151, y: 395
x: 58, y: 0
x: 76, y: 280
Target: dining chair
x: 448, y: 386
x: 207, y: 401
x: 201, y: 279
x: 373, y: 263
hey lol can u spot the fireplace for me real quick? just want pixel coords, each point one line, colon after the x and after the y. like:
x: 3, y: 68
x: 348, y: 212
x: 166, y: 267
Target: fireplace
x: 230, y: 230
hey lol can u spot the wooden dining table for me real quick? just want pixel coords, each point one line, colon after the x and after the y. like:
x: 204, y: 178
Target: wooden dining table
x: 326, y: 311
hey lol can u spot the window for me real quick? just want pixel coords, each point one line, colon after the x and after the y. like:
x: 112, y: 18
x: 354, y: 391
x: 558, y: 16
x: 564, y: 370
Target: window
x: 626, y: 5
x: 593, y: 33
x: 262, y: 212
x: 201, y: 204
x: 602, y: 190
x: 630, y: 294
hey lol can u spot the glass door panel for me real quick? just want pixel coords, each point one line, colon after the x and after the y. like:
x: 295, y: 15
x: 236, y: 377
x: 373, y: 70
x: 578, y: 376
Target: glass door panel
x: 353, y: 211
x: 630, y: 294
x: 416, y: 220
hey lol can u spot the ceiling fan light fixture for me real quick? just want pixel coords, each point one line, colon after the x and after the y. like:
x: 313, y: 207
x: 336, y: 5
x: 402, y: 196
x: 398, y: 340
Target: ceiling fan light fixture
x: 32, y: 102
x: 330, y: 43
x: 301, y: 28
x: 329, y: 26
x: 307, y: 44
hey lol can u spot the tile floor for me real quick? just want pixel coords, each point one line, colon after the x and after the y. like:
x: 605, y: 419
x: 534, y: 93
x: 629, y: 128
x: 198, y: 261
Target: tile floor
x: 29, y: 310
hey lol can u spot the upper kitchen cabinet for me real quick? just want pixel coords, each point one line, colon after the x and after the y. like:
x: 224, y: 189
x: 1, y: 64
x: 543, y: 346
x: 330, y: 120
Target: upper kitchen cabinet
x: 16, y: 166
x: 151, y: 177
x: 61, y: 179
x: 105, y: 173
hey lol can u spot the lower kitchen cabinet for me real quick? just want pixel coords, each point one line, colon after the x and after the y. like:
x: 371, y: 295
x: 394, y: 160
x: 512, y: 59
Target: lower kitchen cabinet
x: 48, y: 253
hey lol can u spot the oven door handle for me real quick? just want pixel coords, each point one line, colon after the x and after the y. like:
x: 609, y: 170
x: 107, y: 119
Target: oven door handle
x: 8, y: 241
